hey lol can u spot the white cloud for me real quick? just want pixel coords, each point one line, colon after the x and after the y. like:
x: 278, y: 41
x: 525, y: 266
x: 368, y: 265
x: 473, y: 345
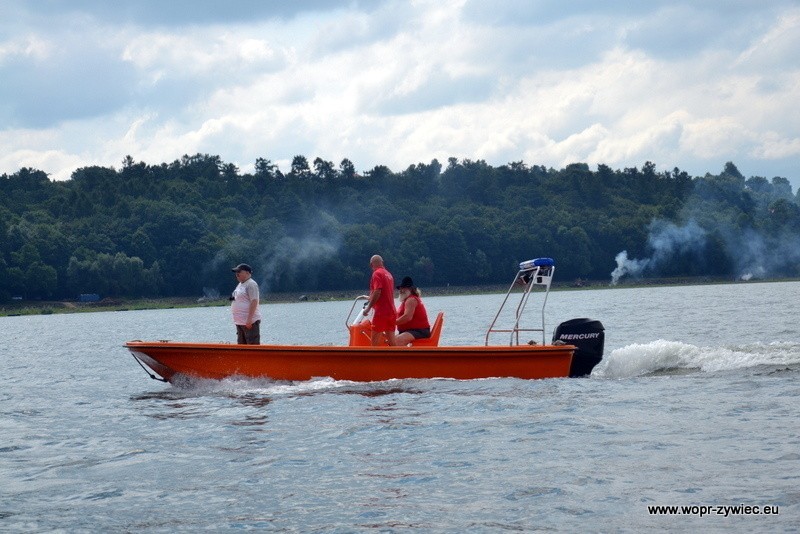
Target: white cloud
x: 778, y: 46
x: 723, y: 135
x: 774, y: 146
x: 26, y: 48
x: 399, y: 83
x: 196, y: 54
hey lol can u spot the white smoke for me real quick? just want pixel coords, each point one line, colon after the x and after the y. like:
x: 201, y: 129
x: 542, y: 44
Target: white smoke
x: 760, y: 256
x: 281, y: 254
x: 666, y: 240
x: 210, y: 293
x: 290, y: 255
x: 750, y: 253
x: 627, y: 267
x: 753, y: 254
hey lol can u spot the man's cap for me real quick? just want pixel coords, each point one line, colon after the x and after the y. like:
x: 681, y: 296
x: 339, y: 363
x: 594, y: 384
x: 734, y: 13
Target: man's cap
x: 242, y: 267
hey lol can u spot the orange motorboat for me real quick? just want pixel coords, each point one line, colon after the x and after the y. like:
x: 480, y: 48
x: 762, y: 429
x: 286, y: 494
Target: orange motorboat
x: 423, y: 358
x: 363, y: 364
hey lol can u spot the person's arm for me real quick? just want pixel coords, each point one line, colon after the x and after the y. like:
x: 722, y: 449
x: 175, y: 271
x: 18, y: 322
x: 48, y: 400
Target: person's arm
x: 408, y: 312
x: 251, y: 312
x: 374, y: 295
x: 253, y: 294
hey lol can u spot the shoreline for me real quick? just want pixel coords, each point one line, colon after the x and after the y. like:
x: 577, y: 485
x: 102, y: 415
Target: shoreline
x: 24, y: 308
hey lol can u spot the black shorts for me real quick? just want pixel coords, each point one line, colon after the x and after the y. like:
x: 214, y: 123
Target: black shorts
x: 418, y: 333
x: 252, y: 336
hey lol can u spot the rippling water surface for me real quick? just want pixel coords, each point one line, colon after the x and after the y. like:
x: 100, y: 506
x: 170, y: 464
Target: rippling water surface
x: 696, y: 403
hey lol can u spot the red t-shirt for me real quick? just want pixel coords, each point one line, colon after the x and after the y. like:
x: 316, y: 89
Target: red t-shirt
x: 385, y: 313
x: 420, y: 318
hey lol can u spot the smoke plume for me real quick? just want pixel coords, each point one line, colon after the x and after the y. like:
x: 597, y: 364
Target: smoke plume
x: 752, y: 254
x: 757, y: 256
x: 627, y: 267
x: 302, y: 252
x: 666, y: 240
x: 294, y: 254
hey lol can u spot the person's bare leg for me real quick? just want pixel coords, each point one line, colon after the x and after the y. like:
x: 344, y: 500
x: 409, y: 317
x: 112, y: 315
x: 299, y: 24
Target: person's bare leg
x: 401, y: 340
x: 377, y: 338
x: 380, y: 339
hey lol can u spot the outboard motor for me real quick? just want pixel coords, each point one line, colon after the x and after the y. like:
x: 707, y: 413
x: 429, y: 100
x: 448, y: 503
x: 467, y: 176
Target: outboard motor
x: 589, y: 336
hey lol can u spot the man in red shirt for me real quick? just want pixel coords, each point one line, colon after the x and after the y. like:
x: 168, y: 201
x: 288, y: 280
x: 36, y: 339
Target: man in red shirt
x: 381, y: 298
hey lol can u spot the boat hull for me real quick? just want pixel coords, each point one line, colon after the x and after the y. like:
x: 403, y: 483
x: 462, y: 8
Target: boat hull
x: 361, y: 364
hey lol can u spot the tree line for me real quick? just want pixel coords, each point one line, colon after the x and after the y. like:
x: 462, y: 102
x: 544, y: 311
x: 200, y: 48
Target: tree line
x: 175, y: 229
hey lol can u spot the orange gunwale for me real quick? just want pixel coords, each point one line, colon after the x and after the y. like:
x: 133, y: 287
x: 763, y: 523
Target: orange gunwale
x: 363, y: 364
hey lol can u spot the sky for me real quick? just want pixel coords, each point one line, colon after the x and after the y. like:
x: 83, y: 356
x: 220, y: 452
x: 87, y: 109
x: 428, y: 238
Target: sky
x: 682, y: 84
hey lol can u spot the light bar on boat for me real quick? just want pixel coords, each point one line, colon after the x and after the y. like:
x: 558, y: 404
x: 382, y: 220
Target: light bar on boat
x: 538, y: 262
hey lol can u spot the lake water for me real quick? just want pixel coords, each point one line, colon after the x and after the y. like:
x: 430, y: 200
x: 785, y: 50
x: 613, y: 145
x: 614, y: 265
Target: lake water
x: 695, y: 404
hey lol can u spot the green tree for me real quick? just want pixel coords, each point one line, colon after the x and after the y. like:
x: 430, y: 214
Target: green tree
x: 347, y: 169
x: 189, y: 220
x: 300, y: 167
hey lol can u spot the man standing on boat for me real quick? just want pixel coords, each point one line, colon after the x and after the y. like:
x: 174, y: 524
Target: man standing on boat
x: 381, y: 298
x: 246, y: 315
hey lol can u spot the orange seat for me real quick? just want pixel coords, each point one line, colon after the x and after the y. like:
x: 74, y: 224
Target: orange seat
x: 361, y: 334
x: 436, y: 332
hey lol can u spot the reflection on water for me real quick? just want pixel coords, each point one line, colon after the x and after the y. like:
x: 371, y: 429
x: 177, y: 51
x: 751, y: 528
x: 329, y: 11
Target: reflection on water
x: 166, y: 394
x: 252, y: 400
x: 374, y: 389
x: 252, y: 421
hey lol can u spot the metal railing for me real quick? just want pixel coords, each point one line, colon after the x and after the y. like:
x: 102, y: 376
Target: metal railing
x: 538, y: 272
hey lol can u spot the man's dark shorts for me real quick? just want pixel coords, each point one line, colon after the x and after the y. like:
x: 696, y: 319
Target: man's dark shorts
x: 249, y: 337
x: 419, y: 333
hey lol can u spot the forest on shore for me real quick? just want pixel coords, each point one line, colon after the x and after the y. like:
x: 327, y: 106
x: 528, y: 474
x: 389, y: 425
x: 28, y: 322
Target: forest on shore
x: 176, y: 229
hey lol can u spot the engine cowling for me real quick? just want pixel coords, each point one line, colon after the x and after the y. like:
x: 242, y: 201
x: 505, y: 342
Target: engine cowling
x: 589, y: 336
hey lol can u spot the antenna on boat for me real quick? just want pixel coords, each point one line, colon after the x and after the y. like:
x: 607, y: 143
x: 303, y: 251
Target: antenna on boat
x: 538, y: 272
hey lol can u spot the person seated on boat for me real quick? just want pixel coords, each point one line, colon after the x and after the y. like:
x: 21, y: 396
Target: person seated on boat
x: 412, y: 318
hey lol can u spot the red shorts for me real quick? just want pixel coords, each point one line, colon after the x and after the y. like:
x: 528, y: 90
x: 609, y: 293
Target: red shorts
x: 383, y: 323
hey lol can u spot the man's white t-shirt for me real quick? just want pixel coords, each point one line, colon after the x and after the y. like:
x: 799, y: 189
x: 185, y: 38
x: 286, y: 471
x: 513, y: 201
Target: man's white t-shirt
x: 244, y: 293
